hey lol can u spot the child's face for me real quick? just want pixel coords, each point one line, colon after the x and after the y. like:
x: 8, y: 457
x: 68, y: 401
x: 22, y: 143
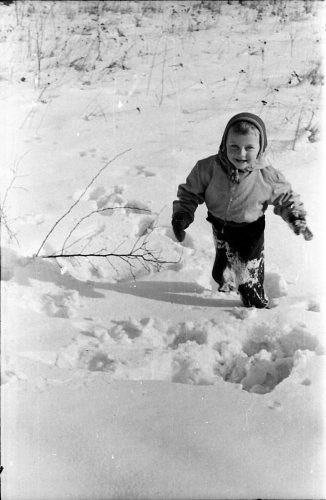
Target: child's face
x: 241, y: 149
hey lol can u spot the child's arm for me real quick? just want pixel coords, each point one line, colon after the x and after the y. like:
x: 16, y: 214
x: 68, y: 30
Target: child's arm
x: 190, y: 195
x: 288, y: 205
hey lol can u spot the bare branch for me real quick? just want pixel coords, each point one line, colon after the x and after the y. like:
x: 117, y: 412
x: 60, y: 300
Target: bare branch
x: 14, y: 178
x: 141, y: 254
x: 122, y: 242
x: 113, y: 267
x: 78, y: 199
x: 4, y: 222
x: 97, y: 212
x: 86, y: 244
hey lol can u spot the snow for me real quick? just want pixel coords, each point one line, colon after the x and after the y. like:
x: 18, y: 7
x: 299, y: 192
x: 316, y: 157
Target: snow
x: 144, y: 381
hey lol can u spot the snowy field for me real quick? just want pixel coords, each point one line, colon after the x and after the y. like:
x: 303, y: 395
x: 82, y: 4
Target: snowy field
x: 125, y: 373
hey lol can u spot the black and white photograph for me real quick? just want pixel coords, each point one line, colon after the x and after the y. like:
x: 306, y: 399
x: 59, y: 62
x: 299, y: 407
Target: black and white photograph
x: 162, y: 204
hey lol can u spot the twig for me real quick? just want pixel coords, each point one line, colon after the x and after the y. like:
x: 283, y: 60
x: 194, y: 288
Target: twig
x: 163, y: 75
x: 152, y: 65
x: 142, y: 254
x: 79, y: 198
x: 86, y: 244
x: 15, y: 176
x: 98, y: 30
x: 3, y: 217
x: 146, y: 256
x: 297, y: 129
x: 145, y: 234
x: 32, y: 110
x: 4, y: 222
x: 122, y: 242
x: 113, y: 267
x: 85, y: 236
x: 65, y: 246
x: 241, y: 72
x: 97, y: 212
x: 308, y: 127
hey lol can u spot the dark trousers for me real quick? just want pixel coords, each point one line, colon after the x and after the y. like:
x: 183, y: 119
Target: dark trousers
x: 239, y: 260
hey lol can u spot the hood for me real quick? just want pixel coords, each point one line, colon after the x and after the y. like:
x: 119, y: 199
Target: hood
x: 251, y: 118
x: 222, y: 156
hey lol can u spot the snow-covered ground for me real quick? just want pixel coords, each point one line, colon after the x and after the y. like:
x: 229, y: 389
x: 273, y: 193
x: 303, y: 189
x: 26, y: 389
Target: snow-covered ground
x: 126, y: 380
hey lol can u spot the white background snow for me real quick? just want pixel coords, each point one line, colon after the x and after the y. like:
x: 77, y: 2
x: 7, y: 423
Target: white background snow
x: 134, y: 382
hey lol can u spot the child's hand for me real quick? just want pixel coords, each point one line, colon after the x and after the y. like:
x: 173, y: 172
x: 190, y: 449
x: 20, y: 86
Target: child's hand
x: 179, y: 230
x: 179, y: 224
x: 299, y: 226
x: 307, y: 234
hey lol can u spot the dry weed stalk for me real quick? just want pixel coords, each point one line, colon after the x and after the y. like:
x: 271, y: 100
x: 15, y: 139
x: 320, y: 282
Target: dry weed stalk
x: 297, y: 129
x: 98, y: 211
x: 4, y: 221
x: 78, y: 199
x: 138, y: 253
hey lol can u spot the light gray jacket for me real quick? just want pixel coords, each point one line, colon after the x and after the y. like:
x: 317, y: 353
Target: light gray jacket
x: 245, y: 202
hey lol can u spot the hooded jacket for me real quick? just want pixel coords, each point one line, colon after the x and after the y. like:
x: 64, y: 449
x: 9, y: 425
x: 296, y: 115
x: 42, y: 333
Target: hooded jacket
x: 232, y: 196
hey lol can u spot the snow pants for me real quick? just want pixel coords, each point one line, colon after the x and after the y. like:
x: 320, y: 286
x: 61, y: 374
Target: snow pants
x: 239, y: 260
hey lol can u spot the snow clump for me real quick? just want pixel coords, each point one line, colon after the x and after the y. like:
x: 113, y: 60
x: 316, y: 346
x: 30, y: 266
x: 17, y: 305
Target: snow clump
x: 198, y: 353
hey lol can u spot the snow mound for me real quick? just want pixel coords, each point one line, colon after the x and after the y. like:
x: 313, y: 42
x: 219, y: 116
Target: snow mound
x: 275, y: 285
x: 60, y: 305
x: 105, y: 199
x: 9, y: 372
x: 8, y: 259
x: 202, y: 353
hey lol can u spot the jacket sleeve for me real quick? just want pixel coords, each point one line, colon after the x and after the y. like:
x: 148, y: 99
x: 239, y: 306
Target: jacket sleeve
x: 191, y: 193
x: 287, y: 203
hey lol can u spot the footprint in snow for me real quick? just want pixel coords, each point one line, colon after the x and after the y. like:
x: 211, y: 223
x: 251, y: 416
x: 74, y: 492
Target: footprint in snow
x: 275, y: 405
x: 101, y: 362
x: 314, y: 306
x: 59, y: 305
x: 9, y: 375
x: 190, y: 352
x: 33, y: 219
x: 142, y: 171
x: 8, y: 371
x: 144, y: 225
x: 244, y: 313
x: 91, y: 152
x: 107, y: 200
x: 90, y: 328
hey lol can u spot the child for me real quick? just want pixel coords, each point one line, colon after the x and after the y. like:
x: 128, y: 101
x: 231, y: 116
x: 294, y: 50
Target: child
x: 237, y: 186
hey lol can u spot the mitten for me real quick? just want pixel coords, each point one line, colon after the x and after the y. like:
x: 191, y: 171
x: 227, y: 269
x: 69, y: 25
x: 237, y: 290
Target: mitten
x: 180, y: 222
x: 297, y: 222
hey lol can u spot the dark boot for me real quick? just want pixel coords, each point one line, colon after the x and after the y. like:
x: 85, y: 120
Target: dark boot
x: 252, y: 290
x: 222, y: 272
x: 253, y: 296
